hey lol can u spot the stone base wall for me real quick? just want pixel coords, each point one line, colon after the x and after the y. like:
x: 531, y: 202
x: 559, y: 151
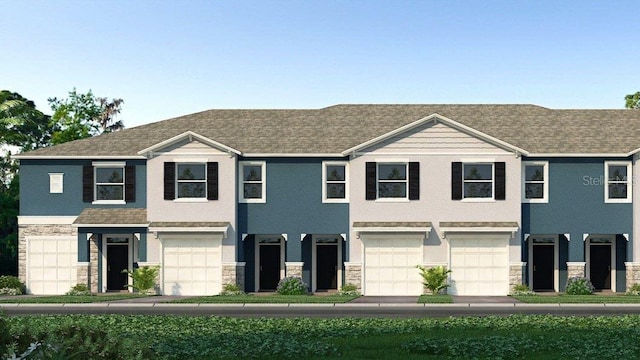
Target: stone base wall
x: 632, y: 274
x: 25, y: 231
x: 83, y: 271
x: 293, y: 269
x: 353, y: 274
x: 93, y: 264
x: 233, y: 273
x: 516, y: 274
x: 575, y: 269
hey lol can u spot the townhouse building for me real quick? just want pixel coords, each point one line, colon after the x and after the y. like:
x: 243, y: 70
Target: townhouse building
x: 500, y: 194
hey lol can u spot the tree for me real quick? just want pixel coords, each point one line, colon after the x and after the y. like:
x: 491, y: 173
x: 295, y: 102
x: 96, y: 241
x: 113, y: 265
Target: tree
x: 632, y: 101
x: 83, y: 115
x: 21, y: 124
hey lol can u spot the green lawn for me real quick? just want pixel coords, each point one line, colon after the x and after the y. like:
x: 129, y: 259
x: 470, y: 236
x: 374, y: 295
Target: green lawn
x: 435, y: 299
x: 176, y: 337
x: 579, y: 299
x: 268, y: 299
x: 67, y: 299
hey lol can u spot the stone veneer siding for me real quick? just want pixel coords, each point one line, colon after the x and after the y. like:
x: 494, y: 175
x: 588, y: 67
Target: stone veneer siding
x: 516, y: 272
x: 25, y: 231
x: 353, y: 274
x: 233, y: 273
x: 93, y: 264
x: 293, y: 269
x: 575, y: 269
x: 632, y: 274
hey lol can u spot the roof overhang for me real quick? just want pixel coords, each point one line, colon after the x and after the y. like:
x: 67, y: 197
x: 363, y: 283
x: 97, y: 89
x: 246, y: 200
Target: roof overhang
x: 478, y: 227
x: 583, y: 155
x: 391, y: 227
x: 189, y: 227
x: 76, y: 157
x: 188, y: 135
x: 435, y: 117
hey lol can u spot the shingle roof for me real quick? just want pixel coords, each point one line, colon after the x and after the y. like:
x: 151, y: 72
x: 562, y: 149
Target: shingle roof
x: 337, y: 128
x: 120, y: 216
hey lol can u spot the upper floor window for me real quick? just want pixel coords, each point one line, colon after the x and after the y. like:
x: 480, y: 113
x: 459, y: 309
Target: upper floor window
x: 393, y: 180
x: 192, y: 181
x: 478, y: 181
x: 618, y: 181
x: 334, y: 179
x: 195, y: 180
x: 253, y: 181
x: 535, y: 176
x: 108, y: 183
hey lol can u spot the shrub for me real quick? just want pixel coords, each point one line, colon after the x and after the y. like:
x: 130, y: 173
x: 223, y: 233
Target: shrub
x: 12, y: 282
x: 434, y: 278
x: 291, y: 285
x: 79, y: 290
x: 144, y: 279
x: 522, y: 290
x: 349, y: 290
x: 231, y: 290
x: 579, y: 286
x: 634, y: 290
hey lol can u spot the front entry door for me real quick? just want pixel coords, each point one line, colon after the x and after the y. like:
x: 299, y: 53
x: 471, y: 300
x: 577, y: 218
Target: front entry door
x: 600, y: 266
x: 117, y: 260
x: 269, y: 267
x: 543, y: 256
x: 327, y: 267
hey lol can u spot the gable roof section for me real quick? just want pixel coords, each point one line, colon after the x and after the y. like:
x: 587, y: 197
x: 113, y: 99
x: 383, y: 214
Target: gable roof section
x: 189, y: 135
x: 99, y: 217
x: 336, y: 129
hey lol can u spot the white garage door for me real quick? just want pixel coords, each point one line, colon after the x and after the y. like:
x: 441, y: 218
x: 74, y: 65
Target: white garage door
x: 390, y: 265
x: 480, y: 266
x: 192, y: 266
x: 51, y: 264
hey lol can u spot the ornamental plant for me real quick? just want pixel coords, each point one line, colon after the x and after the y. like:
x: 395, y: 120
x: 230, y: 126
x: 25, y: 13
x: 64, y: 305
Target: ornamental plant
x: 79, y: 290
x: 11, y: 285
x: 434, y: 278
x: 144, y: 279
x: 231, y: 290
x: 349, y: 289
x: 578, y: 285
x: 292, y: 285
x: 634, y: 290
x: 522, y: 290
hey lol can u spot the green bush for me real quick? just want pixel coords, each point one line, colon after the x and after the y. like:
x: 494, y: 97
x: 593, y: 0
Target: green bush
x: 231, y: 290
x: 579, y: 286
x: 144, y: 279
x: 634, y: 290
x: 434, y: 278
x: 349, y: 290
x: 291, y: 285
x: 79, y: 290
x: 11, y: 282
x: 522, y: 290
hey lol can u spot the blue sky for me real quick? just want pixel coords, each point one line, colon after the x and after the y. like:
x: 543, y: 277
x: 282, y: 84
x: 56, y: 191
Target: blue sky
x: 171, y: 58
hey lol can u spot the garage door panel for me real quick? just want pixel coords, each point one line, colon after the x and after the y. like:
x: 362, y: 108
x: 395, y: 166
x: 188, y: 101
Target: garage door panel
x: 389, y: 265
x: 192, y: 266
x: 51, y: 264
x: 479, y: 266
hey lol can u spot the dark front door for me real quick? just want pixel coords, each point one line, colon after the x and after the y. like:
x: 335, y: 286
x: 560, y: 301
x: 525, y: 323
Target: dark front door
x: 327, y: 267
x: 543, y: 267
x: 269, y: 267
x: 117, y: 260
x: 600, y: 266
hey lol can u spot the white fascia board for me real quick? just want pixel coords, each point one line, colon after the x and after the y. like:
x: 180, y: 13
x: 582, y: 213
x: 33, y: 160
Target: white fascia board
x: 391, y: 229
x: 109, y: 225
x: 222, y: 230
x: 483, y: 229
x: 579, y: 155
x: 436, y: 117
x: 286, y: 155
x: 190, y: 135
x: 75, y: 157
x: 46, y: 220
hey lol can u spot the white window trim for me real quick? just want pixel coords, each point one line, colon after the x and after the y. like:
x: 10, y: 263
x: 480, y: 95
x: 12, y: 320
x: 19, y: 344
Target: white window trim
x: 324, y: 181
x: 406, y: 181
x: 629, y: 181
x: 205, y: 181
x: 96, y: 166
x: 545, y: 183
x: 263, y: 167
x: 56, y: 183
x: 493, y: 183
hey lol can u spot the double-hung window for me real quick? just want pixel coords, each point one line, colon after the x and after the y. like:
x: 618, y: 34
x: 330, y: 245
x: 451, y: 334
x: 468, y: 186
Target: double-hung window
x: 253, y: 181
x: 535, y: 176
x: 392, y: 180
x: 478, y: 181
x: 334, y: 179
x: 618, y: 177
x: 108, y: 183
x: 191, y: 181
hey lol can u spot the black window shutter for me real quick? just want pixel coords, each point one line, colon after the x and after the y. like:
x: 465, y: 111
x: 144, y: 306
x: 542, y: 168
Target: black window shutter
x: 500, y: 181
x: 414, y: 181
x: 87, y: 183
x: 169, y: 180
x: 130, y: 183
x: 456, y: 181
x: 371, y: 174
x: 212, y: 181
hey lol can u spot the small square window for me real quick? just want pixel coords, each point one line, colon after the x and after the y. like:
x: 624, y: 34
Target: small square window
x: 56, y: 183
x: 334, y: 182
